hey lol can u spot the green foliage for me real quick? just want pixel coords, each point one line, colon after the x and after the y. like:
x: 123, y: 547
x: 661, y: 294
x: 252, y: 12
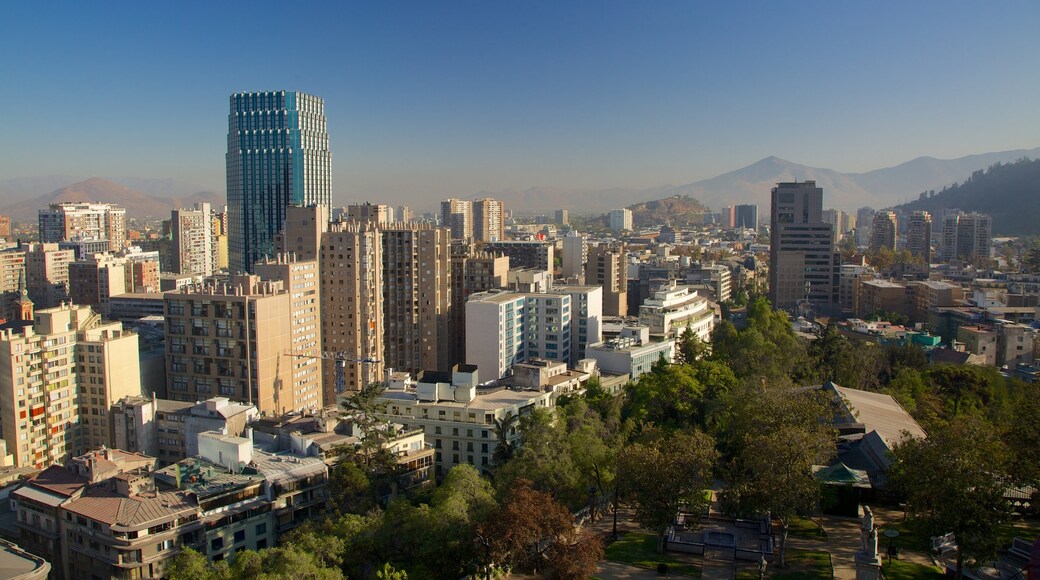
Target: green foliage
x: 388, y: 572
x: 767, y: 348
x: 663, y: 471
x: 951, y: 482
x: 640, y: 549
x: 775, y: 437
x: 287, y: 562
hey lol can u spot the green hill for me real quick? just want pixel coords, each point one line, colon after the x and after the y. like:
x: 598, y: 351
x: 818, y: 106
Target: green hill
x: 1009, y: 192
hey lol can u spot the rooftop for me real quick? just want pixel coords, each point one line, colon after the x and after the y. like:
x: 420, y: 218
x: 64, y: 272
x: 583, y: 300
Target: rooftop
x: 484, y: 401
x: 102, y: 503
x: 877, y: 412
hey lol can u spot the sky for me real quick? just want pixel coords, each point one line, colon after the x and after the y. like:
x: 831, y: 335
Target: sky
x: 426, y: 100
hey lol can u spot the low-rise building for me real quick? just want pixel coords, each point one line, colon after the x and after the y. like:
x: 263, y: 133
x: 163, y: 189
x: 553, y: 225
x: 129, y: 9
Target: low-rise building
x: 675, y: 308
x: 631, y: 353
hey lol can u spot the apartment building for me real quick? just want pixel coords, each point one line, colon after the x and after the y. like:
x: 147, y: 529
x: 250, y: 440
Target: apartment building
x: 459, y: 420
x: 47, y: 273
x: 488, y: 220
x: 605, y: 267
x: 237, y: 340
x: 96, y: 279
x: 76, y: 221
x: 674, y: 308
x: 472, y: 272
x: 193, y: 247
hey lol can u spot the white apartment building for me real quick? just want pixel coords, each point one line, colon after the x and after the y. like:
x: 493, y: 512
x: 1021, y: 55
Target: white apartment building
x: 674, y: 308
x: 620, y: 219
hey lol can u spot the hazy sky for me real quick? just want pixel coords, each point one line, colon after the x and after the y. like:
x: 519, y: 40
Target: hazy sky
x: 432, y: 98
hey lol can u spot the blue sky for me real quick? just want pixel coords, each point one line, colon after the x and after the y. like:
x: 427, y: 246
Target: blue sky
x: 428, y: 99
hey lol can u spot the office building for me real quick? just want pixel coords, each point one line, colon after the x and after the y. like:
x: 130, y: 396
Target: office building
x: 673, y: 309
x: 193, y: 246
x: 745, y: 216
x: 277, y: 155
x: 605, y: 267
x: 619, y: 220
x: 803, y: 267
x: 884, y: 231
x: 919, y: 235
x: 631, y: 352
x: 241, y: 340
x: 75, y: 221
x: 457, y: 216
x: 488, y: 220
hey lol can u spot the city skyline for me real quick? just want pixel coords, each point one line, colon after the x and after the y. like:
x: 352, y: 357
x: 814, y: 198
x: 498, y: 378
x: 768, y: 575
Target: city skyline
x: 428, y: 102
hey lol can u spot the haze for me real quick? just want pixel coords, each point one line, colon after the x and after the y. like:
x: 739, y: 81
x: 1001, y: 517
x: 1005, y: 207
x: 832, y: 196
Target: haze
x: 427, y: 100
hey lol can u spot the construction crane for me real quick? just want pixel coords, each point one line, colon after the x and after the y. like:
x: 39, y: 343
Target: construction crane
x: 341, y: 358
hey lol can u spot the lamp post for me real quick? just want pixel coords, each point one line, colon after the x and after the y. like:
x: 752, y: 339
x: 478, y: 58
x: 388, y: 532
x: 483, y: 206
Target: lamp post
x: 891, y: 534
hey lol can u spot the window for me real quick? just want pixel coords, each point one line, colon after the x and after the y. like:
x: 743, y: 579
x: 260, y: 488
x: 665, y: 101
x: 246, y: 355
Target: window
x: 240, y: 536
x: 261, y: 529
x: 216, y: 543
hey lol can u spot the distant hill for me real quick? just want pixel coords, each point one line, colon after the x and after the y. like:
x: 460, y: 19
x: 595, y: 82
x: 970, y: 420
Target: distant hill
x: 1009, y: 192
x: 137, y: 204
x: 676, y: 211
x: 879, y: 188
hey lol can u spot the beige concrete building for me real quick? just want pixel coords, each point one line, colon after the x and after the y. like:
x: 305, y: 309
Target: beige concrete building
x: 606, y: 268
x: 488, y: 220
x: 108, y: 370
x: 883, y: 296
x: 43, y: 396
x: 193, y: 249
x: 919, y: 235
x: 472, y: 272
x: 457, y: 216
x: 352, y: 305
x: 76, y: 221
x: 930, y: 294
x: 236, y: 340
x: 93, y: 281
x: 47, y: 273
x: 884, y: 231
x: 417, y: 322
x: 378, y: 214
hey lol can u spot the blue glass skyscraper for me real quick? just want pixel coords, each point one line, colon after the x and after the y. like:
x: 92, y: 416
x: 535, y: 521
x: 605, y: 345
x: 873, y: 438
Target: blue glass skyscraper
x: 278, y: 155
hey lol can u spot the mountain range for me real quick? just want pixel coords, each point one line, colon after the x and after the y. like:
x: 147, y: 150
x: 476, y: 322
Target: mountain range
x: 878, y: 188
x: 138, y: 203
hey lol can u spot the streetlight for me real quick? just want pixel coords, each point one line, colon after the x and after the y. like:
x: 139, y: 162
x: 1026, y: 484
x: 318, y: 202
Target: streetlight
x: 891, y: 534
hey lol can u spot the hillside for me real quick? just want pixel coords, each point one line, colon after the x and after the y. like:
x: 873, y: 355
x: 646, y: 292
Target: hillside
x: 137, y: 204
x: 676, y: 211
x: 751, y: 184
x: 1009, y: 192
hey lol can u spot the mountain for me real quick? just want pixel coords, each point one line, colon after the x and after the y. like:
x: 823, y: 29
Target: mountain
x: 676, y: 210
x: 878, y: 188
x: 1009, y: 193
x: 137, y: 204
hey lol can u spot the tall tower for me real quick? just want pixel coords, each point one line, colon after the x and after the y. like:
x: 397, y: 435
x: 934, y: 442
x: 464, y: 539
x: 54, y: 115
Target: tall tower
x: 884, y: 231
x: 488, y: 225
x: 457, y: 215
x: 919, y: 235
x: 278, y: 155
x: 803, y: 266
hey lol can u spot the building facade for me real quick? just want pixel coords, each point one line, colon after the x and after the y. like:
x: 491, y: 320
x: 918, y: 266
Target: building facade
x: 277, y: 155
x: 75, y: 221
x: 803, y: 266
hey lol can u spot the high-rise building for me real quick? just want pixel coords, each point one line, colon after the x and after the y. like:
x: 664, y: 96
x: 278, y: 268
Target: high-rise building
x: 919, y: 235
x: 47, y: 274
x: 403, y: 214
x: 351, y: 264
x: 525, y: 253
x: 58, y: 369
x: 884, y: 231
x: 5, y: 227
x: 193, y: 247
x: 245, y: 341
x: 620, y: 219
x: 457, y: 216
x: 277, y: 155
x: 745, y: 216
x: 84, y: 222
x: 472, y: 272
x: 562, y: 217
x: 575, y: 254
x: 488, y: 221
x: 803, y: 266
x: 606, y: 268
x: 95, y: 280
x: 417, y: 298
x: 966, y: 236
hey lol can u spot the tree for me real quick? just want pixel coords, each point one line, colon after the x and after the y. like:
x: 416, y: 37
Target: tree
x: 689, y: 348
x: 366, y: 410
x: 191, y: 565
x: 505, y: 429
x: 952, y: 483
x: 777, y: 435
x: 388, y: 572
x: 663, y: 472
x: 531, y: 531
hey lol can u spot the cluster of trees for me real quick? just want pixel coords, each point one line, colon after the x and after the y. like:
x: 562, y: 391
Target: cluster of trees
x: 733, y: 411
